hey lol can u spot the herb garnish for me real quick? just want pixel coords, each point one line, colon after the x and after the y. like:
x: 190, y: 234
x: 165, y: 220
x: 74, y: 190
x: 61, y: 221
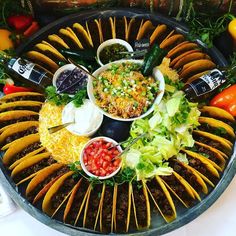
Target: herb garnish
x: 64, y: 98
x: 126, y: 175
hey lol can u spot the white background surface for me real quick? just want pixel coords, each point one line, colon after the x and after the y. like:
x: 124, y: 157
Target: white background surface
x: 218, y: 220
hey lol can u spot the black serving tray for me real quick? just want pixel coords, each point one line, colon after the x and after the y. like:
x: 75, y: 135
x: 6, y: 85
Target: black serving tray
x: 159, y: 227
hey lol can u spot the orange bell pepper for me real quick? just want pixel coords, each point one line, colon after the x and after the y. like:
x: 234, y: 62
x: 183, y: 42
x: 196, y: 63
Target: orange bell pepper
x: 226, y: 100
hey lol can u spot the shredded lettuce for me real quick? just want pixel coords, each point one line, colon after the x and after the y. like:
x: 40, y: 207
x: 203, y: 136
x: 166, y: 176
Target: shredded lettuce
x: 169, y: 129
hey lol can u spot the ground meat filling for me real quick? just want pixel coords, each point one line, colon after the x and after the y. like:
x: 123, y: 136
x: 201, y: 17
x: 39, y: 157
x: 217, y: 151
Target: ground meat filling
x: 28, y: 108
x: 26, y: 98
x: 107, y: 209
x: 178, y: 188
x: 186, y: 174
x: 122, y: 201
x: 11, y: 138
x: 64, y: 190
x: 208, y: 154
x: 141, y: 206
x: 20, y: 119
x: 47, y: 180
x: 33, y: 169
x: 160, y: 197
x: 207, y: 128
x: 201, y: 167
x: 93, y: 206
x: 78, y: 199
x: 211, y: 143
x: 32, y: 147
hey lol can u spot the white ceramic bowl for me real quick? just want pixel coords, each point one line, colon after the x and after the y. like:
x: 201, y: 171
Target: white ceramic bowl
x: 69, y: 115
x: 110, y: 42
x: 156, y: 74
x: 82, y: 154
x: 61, y: 69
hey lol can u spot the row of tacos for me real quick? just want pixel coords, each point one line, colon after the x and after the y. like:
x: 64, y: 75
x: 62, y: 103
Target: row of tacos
x: 186, y: 57
x: 117, y: 208
x: 19, y: 114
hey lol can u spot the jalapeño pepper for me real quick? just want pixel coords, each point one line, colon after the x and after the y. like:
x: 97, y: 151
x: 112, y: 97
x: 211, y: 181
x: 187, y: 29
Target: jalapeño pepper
x: 88, y: 54
x: 152, y: 59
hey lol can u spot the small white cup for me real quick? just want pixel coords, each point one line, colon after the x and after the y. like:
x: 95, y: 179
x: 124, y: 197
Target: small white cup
x: 110, y: 42
x: 82, y: 155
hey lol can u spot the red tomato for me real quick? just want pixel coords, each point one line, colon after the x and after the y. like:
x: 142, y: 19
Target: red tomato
x: 99, y: 160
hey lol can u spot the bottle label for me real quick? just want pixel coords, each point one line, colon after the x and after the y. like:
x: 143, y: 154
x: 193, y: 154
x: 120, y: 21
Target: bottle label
x: 142, y: 44
x: 207, y: 83
x: 23, y: 68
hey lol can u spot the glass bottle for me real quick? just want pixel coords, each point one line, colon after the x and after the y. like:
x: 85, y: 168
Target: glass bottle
x: 206, y: 85
x: 28, y: 72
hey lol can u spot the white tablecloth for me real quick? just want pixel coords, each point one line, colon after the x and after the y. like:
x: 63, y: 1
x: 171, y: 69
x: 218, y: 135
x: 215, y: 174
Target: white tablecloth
x: 218, y: 220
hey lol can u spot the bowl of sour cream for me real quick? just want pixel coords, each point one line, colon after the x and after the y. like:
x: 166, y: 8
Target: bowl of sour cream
x: 87, y: 118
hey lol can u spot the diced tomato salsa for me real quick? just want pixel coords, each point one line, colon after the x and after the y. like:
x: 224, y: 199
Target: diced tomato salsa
x: 98, y: 158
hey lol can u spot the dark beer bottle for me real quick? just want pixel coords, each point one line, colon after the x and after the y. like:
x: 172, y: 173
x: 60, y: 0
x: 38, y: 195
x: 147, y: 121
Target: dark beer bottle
x: 28, y: 72
x: 206, y: 85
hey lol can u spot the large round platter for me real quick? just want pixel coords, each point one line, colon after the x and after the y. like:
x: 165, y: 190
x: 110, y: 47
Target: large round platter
x: 158, y: 225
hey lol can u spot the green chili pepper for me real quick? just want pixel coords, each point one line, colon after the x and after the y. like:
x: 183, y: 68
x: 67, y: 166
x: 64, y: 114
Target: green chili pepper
x: 152, y: 59
x: 88, y: 54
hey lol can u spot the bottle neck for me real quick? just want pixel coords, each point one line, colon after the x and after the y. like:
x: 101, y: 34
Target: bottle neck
x: 4, y: 58
x: 232, y: 70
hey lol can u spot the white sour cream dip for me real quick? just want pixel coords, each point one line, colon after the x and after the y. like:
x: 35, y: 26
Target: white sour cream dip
x: 87, y: 118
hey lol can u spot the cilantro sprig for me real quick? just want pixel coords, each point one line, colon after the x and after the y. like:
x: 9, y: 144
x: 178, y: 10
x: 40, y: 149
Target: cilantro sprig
x: 126, y: 175
x: 64, y: 98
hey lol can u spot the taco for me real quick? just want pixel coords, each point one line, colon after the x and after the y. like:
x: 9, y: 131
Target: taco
x: 190, y: 58
x: 189, y: 175
x: 76, y: 202
x: 50, y: 51
x: 181, y: 56
x: 94, y: 27
x: 28, y: 168
x: 122, y: 207
x: 58, y: 193
x: 141, y: 206
x: 157, y: 33
x: 17, y: 131
x: 53, y: 49
x: 21, y: 105
x: 181, y: 48
x: 196, y: 76
x: 22, y: 96
x: 219, y: 114
x: 180, y: 188
x: 42, y: 179
x: 20, y: 148
x: 106, y: 27
x: 109, y: 198
x: 71, y: 39
x: 12, y: 117
x: 121, y: 27
x: 172, y: 41
x: 92, y: 208
x: 195, y: 67
x: 57, y: 42
x: 214, y: 141
x: 43, y: 60
x: 162, y: 199
x: 211, y: 153
x: 202, y: 165
x: 134, y: 26
x: 34, y: 151
x: 83, y: 35
x: 146, y: 30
